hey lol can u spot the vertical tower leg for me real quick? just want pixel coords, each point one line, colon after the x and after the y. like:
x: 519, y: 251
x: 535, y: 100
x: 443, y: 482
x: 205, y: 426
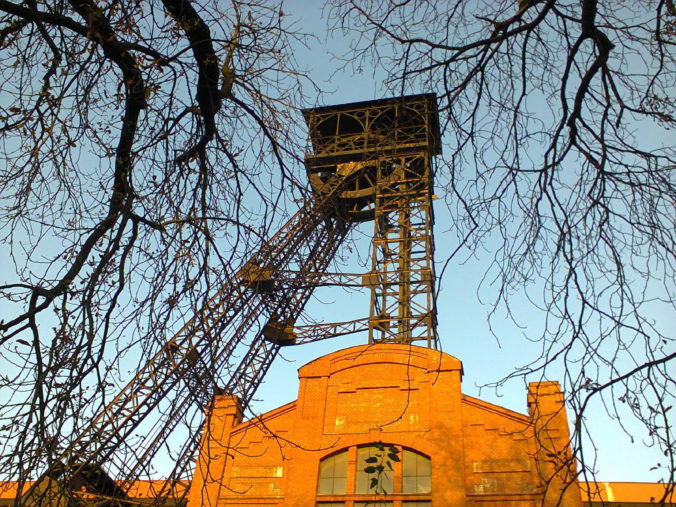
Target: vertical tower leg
x: 402, y: 292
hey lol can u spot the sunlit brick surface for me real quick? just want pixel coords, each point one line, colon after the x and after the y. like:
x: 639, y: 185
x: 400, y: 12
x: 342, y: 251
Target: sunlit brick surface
x: 406, y: 396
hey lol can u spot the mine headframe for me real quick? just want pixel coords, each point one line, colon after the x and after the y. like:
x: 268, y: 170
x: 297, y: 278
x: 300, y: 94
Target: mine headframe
x: 384, y: 150
x: 366, y: 161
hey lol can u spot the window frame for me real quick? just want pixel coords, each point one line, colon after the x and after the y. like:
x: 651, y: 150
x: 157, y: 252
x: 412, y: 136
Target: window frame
x: 352, y: 498
x: 333, y: 458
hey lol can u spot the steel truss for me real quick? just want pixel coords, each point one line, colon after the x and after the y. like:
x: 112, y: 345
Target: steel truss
x: 368, y: 161
x: 196, y: 363
x: 388, y: 145
x: 402, y: 277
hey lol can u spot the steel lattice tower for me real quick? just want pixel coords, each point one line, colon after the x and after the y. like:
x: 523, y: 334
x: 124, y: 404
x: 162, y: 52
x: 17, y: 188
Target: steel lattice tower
x: 386, y: 147
x: 367, y: 161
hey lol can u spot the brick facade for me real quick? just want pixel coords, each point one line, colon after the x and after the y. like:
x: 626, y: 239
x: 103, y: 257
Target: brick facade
x: 406, y: 396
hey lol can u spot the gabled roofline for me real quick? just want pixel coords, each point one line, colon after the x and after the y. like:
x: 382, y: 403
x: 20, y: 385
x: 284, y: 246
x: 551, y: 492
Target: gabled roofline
x: 496, y: 409
x: 265, y: 416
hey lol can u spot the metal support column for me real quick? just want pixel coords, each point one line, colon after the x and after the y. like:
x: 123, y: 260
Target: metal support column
x: 402, y: 275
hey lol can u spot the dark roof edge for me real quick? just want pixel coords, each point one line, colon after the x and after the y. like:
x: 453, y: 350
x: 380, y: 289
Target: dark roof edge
x: 376, y: 102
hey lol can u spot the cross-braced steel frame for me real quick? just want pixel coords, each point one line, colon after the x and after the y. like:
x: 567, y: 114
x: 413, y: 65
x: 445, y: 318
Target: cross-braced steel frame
x: 402, y: 275
x: 367, y: 161
x: 388, y: 147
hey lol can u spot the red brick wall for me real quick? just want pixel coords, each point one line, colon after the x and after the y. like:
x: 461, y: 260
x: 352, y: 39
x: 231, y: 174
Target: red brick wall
x: 481, y: 454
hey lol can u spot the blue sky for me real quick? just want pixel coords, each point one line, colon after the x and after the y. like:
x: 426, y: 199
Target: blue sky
x: 488, y: 352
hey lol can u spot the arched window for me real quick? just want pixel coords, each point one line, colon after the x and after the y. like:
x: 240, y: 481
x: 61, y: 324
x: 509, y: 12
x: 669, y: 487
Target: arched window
x: 333, y: 474
x: 407, y: 479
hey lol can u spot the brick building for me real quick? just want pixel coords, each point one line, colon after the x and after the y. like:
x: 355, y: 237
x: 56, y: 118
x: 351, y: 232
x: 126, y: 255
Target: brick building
x: 450, y: 448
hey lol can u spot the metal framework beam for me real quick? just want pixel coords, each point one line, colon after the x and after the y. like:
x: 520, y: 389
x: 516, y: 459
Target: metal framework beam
x: 367, y: 161
x: 387, y: 146
x: 402, y: 293
x: 186, y: 369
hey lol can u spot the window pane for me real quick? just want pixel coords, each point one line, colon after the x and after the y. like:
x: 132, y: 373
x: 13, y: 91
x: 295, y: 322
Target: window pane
x: 361, y: 485
x: 375, y: 503
x: 409, y: 484
x: 363, y: 480
x: 409, y: 464
x: 387, y: 482
x: 325, y: 486
x: 340, y: 462
x: 416, y: 471
x: 423, y: 503
x: 333, y: 475
x: 339, y: 485
x: 325, y: 468
x: 424, y: 484
x: 424, y: 466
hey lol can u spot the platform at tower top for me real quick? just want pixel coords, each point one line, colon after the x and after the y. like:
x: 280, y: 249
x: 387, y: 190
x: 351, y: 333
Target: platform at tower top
x: 363, y: 142
x: 371, y: 129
